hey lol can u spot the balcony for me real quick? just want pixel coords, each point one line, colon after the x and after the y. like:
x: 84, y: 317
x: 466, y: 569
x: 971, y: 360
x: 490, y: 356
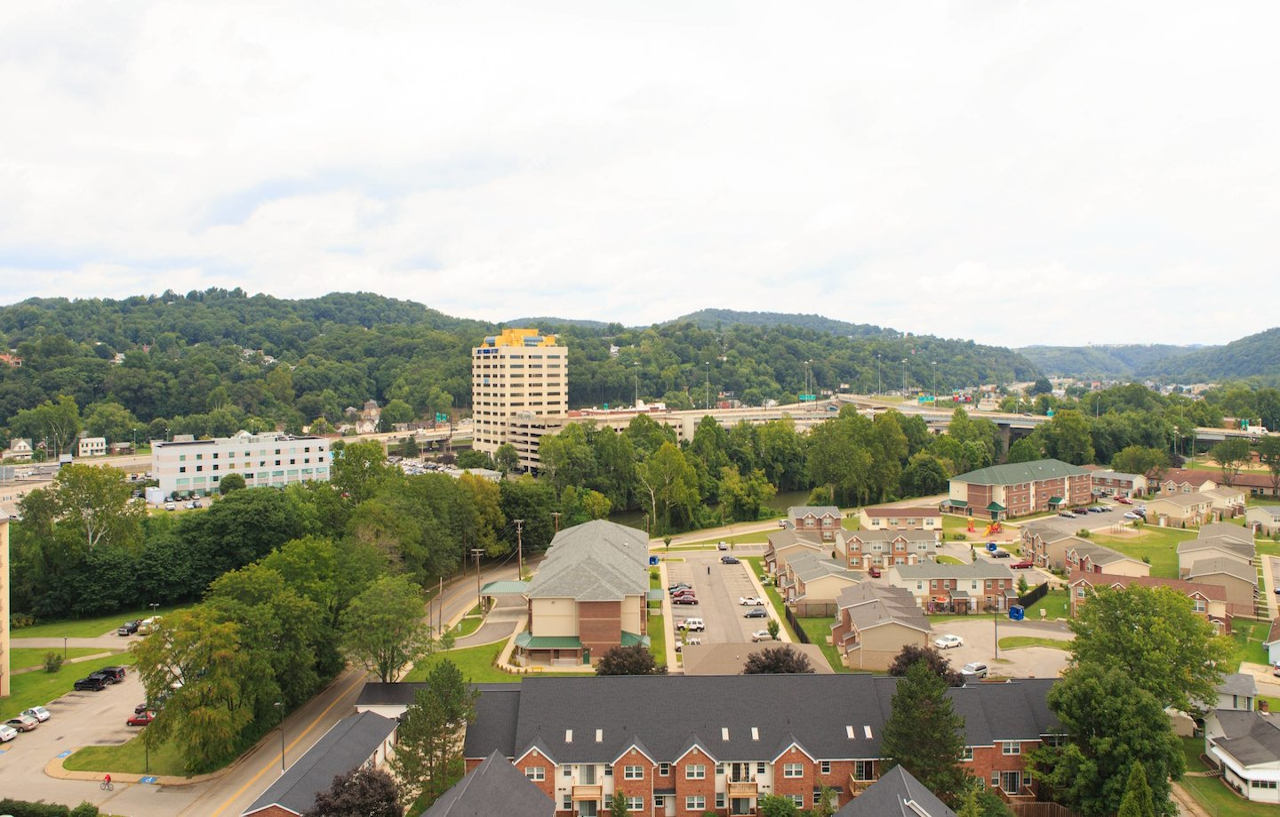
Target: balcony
x: 589, y: 792
x: 857, y: 787
x: 742, y: 788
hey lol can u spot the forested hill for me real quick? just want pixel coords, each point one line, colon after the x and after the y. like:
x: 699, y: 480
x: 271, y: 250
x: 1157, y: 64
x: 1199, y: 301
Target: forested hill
x: 216, y: 361
x: 1253, y: 356
x: 1106, y: 362
x: 720, y: 318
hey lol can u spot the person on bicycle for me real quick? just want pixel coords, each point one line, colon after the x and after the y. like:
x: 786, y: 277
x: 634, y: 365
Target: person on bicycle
x: 107, y: 780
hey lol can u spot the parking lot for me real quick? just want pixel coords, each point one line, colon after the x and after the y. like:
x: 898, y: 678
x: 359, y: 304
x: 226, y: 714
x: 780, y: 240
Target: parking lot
x: 1111, y: 515
x: 718, y: 588
x: 979, y: 631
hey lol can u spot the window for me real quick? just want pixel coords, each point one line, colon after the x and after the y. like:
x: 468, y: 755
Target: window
x: 1011, y: 747
x: 1200, y: 608
x: 798, y: 799
x: 635, y: 803
x: 535, y: 773
x: 664, y: 769
x: 793, y: 770
x: 995, y: 779
x: 659, y: 801
x: 695, y: 771
x: 633, y: 772
x: 568, y: 771
x: 719, y: 799
x: 825, y: 766
x: 760, y: 768
x: 608, y: 771
x: 566, y: 804
x: 1079, y: 592
x: 817, y: 797
x: 966, y: 755
x: 695, y: 802
x: 864, y: 770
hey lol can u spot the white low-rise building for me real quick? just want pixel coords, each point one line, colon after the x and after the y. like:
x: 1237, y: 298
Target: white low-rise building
x: 91, y: 447
x: 197, y: 466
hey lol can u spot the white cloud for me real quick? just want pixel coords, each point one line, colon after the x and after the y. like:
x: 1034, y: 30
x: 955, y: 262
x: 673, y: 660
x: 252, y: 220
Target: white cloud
x: 1012, y: 172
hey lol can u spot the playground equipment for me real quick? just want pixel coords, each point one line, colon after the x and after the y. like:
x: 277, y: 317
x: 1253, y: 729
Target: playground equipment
x: 971, y: 530
x: 994, y: 527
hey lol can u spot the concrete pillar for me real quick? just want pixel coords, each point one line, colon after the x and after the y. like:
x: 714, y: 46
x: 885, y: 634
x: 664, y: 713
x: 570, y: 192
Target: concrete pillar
x: 4, y: 605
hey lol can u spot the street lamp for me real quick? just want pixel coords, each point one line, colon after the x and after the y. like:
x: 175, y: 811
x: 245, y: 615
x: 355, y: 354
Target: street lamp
x: 877, y: 373
x: 935, y: 380
x: 708, y: 397
x: 279, y: 705
x: 904, y: 378
x: 636, y: 371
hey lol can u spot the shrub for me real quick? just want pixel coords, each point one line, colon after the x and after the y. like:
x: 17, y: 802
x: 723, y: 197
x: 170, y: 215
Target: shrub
x: 20, y: 620
x: 52, y: 661
x: 1082, y: 533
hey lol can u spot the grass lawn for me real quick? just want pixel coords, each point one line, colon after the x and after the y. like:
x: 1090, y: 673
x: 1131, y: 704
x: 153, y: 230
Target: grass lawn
x: 467, y: 626
x: 757, y: 567
x: 944, y: 559
x: 39, y: 688
x: 1248, y: 637
x: 1157, y: 545
x: 819, y: 632
x: 476, y: 663
x: 1013, y: 642
x: 24, y: 657
x: 737, y: 539
x: 87, y: 627
x: 1054, y: 603
x: 129, y: 758
x: 1211, y: 794
x: 657, y: 639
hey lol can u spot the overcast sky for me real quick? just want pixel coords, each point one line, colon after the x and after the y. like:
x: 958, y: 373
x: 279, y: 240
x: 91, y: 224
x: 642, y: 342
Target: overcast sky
x: 1015, y: 173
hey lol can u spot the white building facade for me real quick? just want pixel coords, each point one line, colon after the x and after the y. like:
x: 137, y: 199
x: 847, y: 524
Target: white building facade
x: 519, y: 375
x: 197, y: 466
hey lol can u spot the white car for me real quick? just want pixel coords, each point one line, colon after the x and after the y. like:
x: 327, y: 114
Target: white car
x: 1131, y: 515
x: 761, y: 635
x: 751, y: 601
x: 946, y: 642
x: 7, y: 733
x: 39, y: 713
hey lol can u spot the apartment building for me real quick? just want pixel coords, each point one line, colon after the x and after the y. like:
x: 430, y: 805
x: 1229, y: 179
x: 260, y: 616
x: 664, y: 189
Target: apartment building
x: 276, y: 460
x: 1018, y: 489
x: 865, y: 549
x: 521, y: 375
x: 1208, y: 600
x: 91, y: 447
x: 893, y: 517
x: 820, y: 520
x: 682, y: 745
x: 964, y: 588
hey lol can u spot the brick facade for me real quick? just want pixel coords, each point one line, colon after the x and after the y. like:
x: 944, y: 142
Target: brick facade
x: 599, y: 625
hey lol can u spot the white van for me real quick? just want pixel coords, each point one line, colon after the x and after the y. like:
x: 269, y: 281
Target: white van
x: 694, y: 625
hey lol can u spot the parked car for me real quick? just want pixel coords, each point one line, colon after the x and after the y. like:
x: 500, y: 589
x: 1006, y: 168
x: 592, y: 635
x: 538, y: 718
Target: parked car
x: 1067, y: 515
x: 755, y: 612
x: 1124, y: 500
x: 761, y: 635
x: 1023, y: 565
x: 39, y: 713
x: 169, y: 506
x: 147, y: 625
x: 94, y: 683
x: 140, y: 708
x: 1276, y: 670
x: 1132, y: 515
x: 694, y: 625
x: 680, y: 593
x: 7, y: 733
x: 947, y: 641
x: 689, y: 599
x: 722, y: 546
x: 679, y: 645
x: 729, y: 560
x: 1096, y: 509
x: 129, y: 627
x: 751, y: 601
x: 23, y: 723
x: 114, y: 674
x: 873, y: 572
x: 671, y: 588
x: 1001, y: 554
x: 973, y: 671
x: 141, y: 718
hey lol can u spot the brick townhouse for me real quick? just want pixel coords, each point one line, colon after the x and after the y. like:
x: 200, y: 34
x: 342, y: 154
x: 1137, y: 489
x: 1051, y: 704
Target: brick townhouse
x: 680, y: 746
x: 963, y: 588
x: 822, y: 520
x: 882, y: 548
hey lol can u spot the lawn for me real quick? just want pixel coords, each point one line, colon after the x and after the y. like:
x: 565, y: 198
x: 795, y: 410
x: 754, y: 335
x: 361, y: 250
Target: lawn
x: 39, y: 688
x: 476, y: 663
x: 24, y: 657
x: 944, y: 559
x: 1014, y: 642
x: 1211, y: 794
x: 771, y: 592
x: 657, y: 639
x: 819, y: 632
x: 87, y: 627
x: 1158, y: 546
x: 129, y: 758
x: 467, y: 626
x: 1054, y: 603
x: 1248, y: 637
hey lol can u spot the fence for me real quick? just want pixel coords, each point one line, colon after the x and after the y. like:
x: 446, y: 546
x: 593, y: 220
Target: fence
x: 1041, y: 810
x: 1034, y: 595
x: 795, y: 625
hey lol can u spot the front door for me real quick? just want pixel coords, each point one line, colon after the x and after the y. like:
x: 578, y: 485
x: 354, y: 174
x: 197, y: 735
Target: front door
x: 1011, y: 782
x: 587, y: 808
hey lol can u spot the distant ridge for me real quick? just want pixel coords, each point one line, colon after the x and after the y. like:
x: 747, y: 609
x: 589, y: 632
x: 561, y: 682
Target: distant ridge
x: 1253, y: 356
x: 711, y: 318
x: 1105, y: 362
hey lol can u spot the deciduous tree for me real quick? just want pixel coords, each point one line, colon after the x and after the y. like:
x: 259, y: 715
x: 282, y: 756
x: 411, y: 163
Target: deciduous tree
x: 384, y: 629
x: 98, y: 503
x: 362, y: 792
x: 1231, y: 455
x: 777, y: 661
x: 932, y: 658
x: 633, y: 660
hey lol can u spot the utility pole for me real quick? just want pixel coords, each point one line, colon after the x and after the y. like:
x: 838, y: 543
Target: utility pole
x: 477, y: 552
x: 440, y: 615
x: 904, y: 378
x: 520, y: 547
x: 708, y: 398
x: 556, y: 516
x: 637, y: 374
x: 877, y: 373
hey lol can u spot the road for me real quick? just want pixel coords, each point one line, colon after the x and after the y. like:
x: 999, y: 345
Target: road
x: 93, y: 718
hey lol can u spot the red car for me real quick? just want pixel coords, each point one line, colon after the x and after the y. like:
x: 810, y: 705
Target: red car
x: 873, y: 572
x: 1124, y: 500
x: 1023, y: 565
x: 689, y: 599
x: 141, y: 718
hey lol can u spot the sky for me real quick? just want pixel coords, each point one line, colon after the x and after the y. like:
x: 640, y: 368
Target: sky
x: 1012, y: 172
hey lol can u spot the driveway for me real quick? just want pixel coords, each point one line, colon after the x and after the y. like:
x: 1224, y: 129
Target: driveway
x: 1025, y: 662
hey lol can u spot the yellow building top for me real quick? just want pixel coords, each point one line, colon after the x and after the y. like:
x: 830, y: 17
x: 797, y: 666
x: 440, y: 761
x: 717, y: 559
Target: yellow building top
x: 520, y: 337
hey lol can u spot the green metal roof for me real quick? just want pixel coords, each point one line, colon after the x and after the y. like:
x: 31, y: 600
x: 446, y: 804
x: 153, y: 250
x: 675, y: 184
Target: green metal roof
x: 631, y: 639
x: 996, y: 506
x: 1016, y: 473
x: 548, y: 642
x: 955, y: 503
x: 505, y: 588
x: 1055, y: 500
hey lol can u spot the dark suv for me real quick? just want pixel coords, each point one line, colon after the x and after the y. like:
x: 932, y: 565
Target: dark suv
x: 129, y: 627
x: 95, y: 682
x: 114, y: 675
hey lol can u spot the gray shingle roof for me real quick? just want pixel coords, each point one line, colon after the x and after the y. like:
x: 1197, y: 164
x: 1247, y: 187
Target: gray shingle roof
x: 811, y: 566
x: 911, y: 536
x: 1238, y: 683
x: 1226, y: 544
x: 981, y: 569
x: 493, y: 787
x: 1221, y: 564
x: 1016, y: 473
x: 1251, y: 737
x: 896, y: 794
x: 347, y: 745
x: 801, y: 511
x: 594, y: 561
x: 872, y: 605
x: 671, y: 713
x: 1100, y: 554
x: 1226, y: 529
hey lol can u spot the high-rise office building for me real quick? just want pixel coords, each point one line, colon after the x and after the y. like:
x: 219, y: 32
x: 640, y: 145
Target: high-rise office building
x: 519, y: 390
